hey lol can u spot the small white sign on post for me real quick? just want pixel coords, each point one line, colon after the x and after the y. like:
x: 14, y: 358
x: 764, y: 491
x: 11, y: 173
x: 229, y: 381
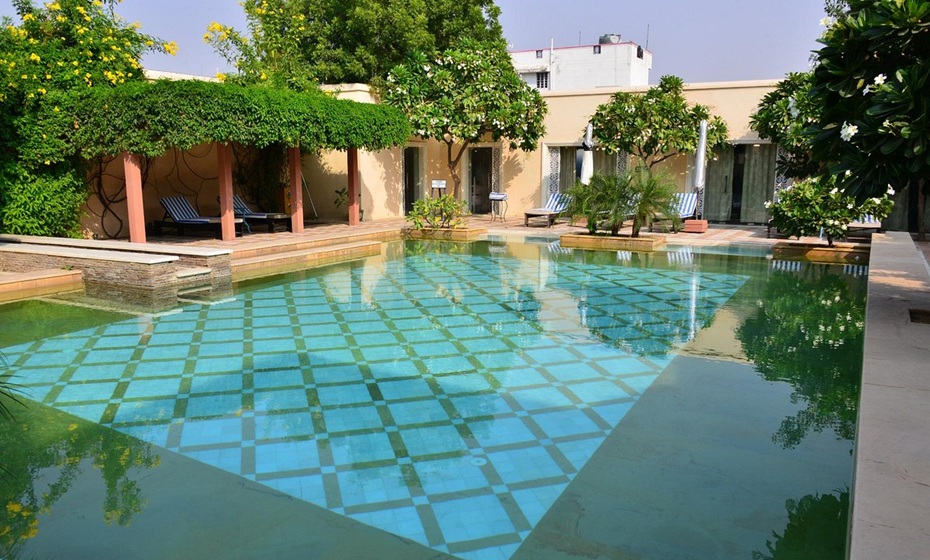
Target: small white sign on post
x: 439, y: 187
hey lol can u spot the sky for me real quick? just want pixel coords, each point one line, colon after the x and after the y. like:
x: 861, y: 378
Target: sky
x: 699, y: 41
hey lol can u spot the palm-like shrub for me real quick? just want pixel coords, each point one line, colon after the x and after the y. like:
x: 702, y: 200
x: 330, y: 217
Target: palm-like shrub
x: 606, y: 200
x: 654, y: 196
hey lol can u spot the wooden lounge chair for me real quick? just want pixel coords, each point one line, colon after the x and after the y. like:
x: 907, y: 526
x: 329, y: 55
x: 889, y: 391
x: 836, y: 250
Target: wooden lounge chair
x: 554, y: 206
x: 179, y: 214
x: 242, y: 210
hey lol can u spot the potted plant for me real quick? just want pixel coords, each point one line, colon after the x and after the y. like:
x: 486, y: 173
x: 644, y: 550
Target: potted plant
x: 442, y: 217
x: 816, y: 207
x: 608, y: 201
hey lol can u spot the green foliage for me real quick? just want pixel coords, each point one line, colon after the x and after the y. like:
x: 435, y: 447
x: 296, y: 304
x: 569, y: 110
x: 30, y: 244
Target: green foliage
x: 467, y: 94
x: 441, y: 212
x: 808, y: 331
x: 150, y: 119
x: 606, y: 201
x: 872, y: 84
x: 655, y: 125
x: 44, y: 203
x: 817, y: 528
x: 783, y: 116
x: 62, y: 46
x: 653, y: 196
x: 816, y: 205
x: 299, y: 43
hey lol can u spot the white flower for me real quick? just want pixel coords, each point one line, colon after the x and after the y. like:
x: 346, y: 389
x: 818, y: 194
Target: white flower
x: 793, y: 108
x: 865, y: 90
x: 767, y: 204
x: 848, y: 131
x: 880, y: 79
x: 848, y: 172
x: 834, y: 190
x: 890, y: 190
x: 827, y: 22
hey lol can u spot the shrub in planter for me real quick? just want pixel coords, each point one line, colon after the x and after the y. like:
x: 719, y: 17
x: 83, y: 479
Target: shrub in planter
x: 606, y: 200
x: 816, y: 205
x: 444, y: 212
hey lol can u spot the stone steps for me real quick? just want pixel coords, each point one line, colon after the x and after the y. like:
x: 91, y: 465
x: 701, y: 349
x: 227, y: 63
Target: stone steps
x: 24, y: 285
x: 287, y: 259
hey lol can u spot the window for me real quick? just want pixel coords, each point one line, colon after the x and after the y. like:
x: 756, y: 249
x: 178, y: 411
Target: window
x: 597, y: 49
x: 542, y: 80
x: 639, y: 52
x: 538, y: 54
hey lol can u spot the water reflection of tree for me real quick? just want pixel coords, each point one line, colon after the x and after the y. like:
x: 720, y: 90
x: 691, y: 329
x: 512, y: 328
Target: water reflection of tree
x: 817, y: 527
x: 808, y: 331
x: 44, y: 454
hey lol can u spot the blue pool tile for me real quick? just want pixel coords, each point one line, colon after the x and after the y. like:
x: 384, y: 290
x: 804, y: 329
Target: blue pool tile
x: 524, y: 465
x: 175, y: 338
x: 69, y: 344
x: 214, y: 405
x: 36, y: 392
x: 220, y: 349
x: 165, y: 352
x: 392, y: 370
x: 352, y: 418
x: 428, y: 334
x: 280, y: 399
x: 473, y: 518
x: 218, y: 335
x: 276, y: 361
x: 119, y: 341
x: 218, y: 365
x: 579, y: 451
x: 114, y: 356
x: 625, y: 366
x: 383, y: 353
x: 439, y: 348
x: 519, y: 377
x: 160, y: 368
x: 463, y: 383
x: 98, y: 372
x: 563, y: 423
x: 337, y: 374
x: 317, y: 343
x: 321, y: 329
x: 216, y: 383
x: 44, y: 359
x: 551, y: 355
x: 613, y: 413
x: 278, y: 379
x: 593, y: 392
x: 535, y: 502
x: 500, y: 360
x: 286, y: 456
x: 500, y: 431
x: 540, y: 398
x: 161, y: 410
x: 228, y: 459
x: 405, y: 389
x: 450, y: 364
x: 332, y: 356
x: 274, y: 346
x: 417, y: 412
x: 150, y: 388
x: 639, y: 382
x: 305, y: 487
x: 361, y: 448
x: 156, y: 434
x: 403, y: 521
x: 289, y: 424
x: 91, y: 412
x: 334, y: 395
x: 573, y: 372
x: 447, y: 476
x: 483, y: 342
x: 372, y: 485
x: 474, y: 406
x: 431, y: 440
x: 86, y: 392
x: 208, y: 432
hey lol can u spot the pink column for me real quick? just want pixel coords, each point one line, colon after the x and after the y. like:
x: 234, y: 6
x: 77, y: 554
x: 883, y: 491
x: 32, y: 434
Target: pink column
x: 353, y: 186
x: 132, y: 170
x: 224, y: 159
x: 297, y: 200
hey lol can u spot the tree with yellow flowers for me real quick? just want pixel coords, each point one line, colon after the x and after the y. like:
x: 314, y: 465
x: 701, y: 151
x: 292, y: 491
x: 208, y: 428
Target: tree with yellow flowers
x: 59, y: 46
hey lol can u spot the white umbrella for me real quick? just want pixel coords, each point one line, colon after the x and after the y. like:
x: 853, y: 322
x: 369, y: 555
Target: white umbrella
x: 700, y: 158
x: 587, y: 161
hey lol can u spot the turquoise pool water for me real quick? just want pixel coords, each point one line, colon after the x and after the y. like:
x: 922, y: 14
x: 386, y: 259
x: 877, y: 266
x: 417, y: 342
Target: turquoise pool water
x: 460, y: 397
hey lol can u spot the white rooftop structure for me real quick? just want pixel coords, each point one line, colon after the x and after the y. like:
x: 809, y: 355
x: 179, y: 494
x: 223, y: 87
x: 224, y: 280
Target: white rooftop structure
x: 610, y: 62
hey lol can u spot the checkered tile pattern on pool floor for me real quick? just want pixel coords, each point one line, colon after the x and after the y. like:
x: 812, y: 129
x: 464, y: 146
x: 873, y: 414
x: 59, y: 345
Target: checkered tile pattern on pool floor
x: 446, y: 398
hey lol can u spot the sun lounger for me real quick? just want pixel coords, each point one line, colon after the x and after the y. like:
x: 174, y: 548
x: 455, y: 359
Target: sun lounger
x: 686, y: 206
x: 179, y: 214
x: 556, y: 204
x: 242, y: 210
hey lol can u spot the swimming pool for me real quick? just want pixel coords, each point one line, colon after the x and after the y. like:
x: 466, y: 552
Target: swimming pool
x: 491, y: 400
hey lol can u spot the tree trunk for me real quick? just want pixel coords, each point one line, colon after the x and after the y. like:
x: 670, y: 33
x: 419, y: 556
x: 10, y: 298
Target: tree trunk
x: 921, y: 209
x: 453, y: 167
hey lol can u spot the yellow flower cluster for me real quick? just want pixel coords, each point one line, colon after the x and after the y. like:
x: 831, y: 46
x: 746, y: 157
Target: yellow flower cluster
x: 170, y: 48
